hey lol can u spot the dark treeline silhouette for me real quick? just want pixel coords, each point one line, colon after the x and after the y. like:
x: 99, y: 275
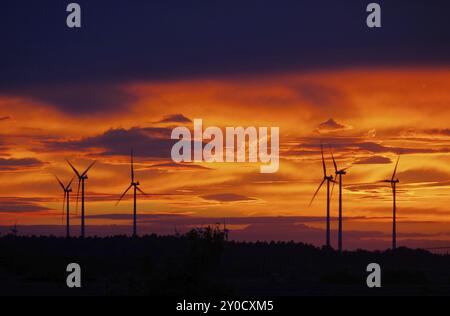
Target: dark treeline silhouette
x: 203, y: 262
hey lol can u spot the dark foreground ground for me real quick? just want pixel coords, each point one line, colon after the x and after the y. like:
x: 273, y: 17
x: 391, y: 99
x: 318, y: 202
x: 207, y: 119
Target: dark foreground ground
x: 204, y: 264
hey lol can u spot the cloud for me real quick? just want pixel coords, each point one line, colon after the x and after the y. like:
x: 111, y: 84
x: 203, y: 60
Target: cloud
x: 373, y: 160
x: 175, y: 118
x: 178, y: 166
x: 319, y: 95
x: 423, y: 175
x: 20, y: 205
x: 5, y: 118
x: 424, y: 178
x: 372, y: 133
x: 142, y: 217
x: 331, y: 126
x: 183, y: 219
x: 217, y: 32
x: 356, y: 144
x: 146, y: 142
x: 11, y: 164
x: 78, y: 99
x: 378, y: 148
x: 227, y: 197
x: 440, y: 132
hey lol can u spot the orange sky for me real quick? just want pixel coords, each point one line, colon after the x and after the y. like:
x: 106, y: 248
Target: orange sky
x: 368, y: 116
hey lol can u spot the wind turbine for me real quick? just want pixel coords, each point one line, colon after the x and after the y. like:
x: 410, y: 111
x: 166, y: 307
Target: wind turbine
x: 67, y: 189
x: 328, y: 179
x: 81, y: 178
x: 135, y: 185
x: 225, y: 230
x: 393, y: 183
x: 14, y: 229
x: 339, y: 173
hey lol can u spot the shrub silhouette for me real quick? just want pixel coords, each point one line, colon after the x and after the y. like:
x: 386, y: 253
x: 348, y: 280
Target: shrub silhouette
x: 206, y: 245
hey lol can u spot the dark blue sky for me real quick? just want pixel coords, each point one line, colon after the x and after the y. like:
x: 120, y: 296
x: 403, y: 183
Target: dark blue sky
x: 121, y: 41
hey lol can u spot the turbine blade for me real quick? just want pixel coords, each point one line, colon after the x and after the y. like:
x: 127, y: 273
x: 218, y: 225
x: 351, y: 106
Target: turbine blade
x: 395, y: 169
x: 384, y: 181
x: 70, y: 183
x: 332, y: 189
x: 124, y: 194
x: 137, y: 188
x: 345, y: 169
x: 334, y: 162
x: 323, y: 162
x: 60, y: 183
x: 314, y: 196
x: 90, y: 166
x: 73, y: 168
x: 132, y: 167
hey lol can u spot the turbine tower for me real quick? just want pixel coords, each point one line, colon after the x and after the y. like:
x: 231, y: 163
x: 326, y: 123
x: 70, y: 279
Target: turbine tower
x: 135, y: 185
x: 393, y: 183
x: 339, y: 173
x: 328, y: 179
x: 67, y: 189
x: 81, y: 178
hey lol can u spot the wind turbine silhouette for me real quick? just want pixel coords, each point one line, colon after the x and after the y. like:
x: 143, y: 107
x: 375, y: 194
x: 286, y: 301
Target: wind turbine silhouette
x: 339, y: 173
x: 328, y: 179
x: 14, y: 229
x: 81, y: 178
x: 225, y: 230
x: 393, y: 183
x: 67, y: 189
x: 135, y: 185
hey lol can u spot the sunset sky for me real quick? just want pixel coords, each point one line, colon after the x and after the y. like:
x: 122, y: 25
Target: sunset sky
x: 133, y: 73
